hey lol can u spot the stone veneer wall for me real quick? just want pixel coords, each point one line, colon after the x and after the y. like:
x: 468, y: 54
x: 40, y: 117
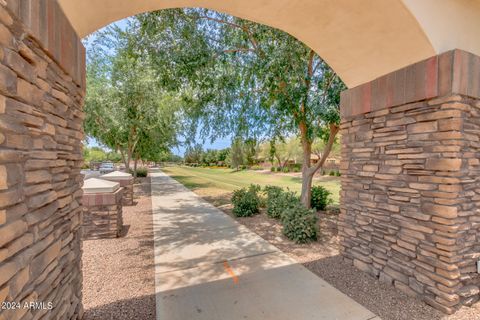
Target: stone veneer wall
x: 40, y: 159
x: 410, y: 194
x: 102, y: 215
x: 127, y: 185
x: 128, y: 194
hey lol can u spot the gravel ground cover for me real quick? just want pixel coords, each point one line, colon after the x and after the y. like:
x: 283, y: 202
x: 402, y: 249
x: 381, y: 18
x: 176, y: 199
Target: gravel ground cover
x: 118, y: 274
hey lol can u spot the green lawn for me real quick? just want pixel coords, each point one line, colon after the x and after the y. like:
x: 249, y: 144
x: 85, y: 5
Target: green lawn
x: 211, y: 181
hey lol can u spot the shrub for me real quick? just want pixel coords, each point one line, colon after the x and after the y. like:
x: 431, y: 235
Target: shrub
x: 255, y: 188
x: 278, y: 201
x: 300, y: 224
x: 273, y: 169
x: 141, y: 172
x: 246, y: 201
x: 286, y: 169
x: 297, y: 167
x: 320, y: 198
x: 332, y: 173
x: 337, y: 173
x: 273, y: 193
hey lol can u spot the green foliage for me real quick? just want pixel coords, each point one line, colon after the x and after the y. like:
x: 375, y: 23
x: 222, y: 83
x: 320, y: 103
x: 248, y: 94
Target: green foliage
x: 246, y: 202
x: 141, y: 172
x: 278, y: 201
x: 97, y: 154
x: 337, y: 173
x: 265, y: 82
x: 237, y: 153
x: 193, y: 154
x: 210, y: 157
x: 300, y: 224
x: 168, y: 156
x: 250, y: 151
x: 332, y: 173
x: 321, y: 197
x: 127, y: 109
x: 272, y: 150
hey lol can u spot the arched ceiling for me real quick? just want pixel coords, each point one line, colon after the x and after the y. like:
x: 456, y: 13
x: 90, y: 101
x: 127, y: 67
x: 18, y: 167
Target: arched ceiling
x: 360, y: 39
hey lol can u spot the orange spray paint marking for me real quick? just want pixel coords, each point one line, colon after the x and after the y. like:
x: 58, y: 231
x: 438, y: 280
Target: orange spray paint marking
x: 230, y: 272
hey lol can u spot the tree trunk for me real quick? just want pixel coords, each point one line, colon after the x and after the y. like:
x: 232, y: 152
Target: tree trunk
x: 279, y: 161
x: 309, y: 171
x: 124, y: 159
x: 306, y: 195
x: 135, y: 167
x: 129, y: 157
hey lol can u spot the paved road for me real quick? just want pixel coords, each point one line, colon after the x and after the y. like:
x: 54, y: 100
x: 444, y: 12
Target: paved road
x: 209, y: 267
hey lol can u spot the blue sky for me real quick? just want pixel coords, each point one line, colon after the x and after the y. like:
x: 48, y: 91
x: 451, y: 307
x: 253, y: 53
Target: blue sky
x: 218, y: 144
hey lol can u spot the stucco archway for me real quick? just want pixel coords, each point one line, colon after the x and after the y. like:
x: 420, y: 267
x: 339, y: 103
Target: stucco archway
x: 361, y: 40
x: 408, y: 123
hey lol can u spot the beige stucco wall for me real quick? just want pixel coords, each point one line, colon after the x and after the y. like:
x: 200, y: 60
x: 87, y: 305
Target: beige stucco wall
x: 361, y: 40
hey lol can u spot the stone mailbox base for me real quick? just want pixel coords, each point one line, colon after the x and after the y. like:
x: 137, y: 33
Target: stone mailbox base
x: 127, y: 199
x: 102, y: 215
x: 126, y: 182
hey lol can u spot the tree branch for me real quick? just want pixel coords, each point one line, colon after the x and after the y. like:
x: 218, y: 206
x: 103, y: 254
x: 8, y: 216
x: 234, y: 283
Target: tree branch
x: 243, y: 28
x: 334, y: 128
x: 239, y: 50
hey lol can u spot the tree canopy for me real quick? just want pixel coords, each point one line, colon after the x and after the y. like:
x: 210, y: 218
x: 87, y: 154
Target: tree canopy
x: 249, y: 80
x: 127, y: 108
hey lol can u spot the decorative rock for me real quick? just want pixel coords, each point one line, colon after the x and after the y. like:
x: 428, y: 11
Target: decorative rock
x: 468, y: 291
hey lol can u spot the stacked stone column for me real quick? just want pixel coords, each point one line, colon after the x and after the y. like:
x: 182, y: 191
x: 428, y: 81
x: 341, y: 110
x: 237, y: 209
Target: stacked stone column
x: 410, y: 199
x: 102, y: 209
x: 41, y: 99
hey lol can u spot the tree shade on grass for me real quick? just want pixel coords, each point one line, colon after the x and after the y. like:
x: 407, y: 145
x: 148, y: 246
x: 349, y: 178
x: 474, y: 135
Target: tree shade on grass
x: 223, y: 181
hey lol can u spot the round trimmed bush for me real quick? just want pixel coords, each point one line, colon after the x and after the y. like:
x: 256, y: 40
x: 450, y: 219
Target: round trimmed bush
x: 300, y: 224
x: 273, y: 193
x: 320, y: 198
x: 279, y: 200
x: 246, y: 201
x: 141, y: 172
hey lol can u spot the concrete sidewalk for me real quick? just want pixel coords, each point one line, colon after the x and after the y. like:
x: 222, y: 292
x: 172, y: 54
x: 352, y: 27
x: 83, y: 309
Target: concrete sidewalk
x: 209, y: 267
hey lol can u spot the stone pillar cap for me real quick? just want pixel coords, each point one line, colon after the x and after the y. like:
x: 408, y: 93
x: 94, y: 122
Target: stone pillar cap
x: 117, y: 175
x: 94, y: 185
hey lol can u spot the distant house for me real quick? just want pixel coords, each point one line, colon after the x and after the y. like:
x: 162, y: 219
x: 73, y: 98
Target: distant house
x: 331, y: 162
